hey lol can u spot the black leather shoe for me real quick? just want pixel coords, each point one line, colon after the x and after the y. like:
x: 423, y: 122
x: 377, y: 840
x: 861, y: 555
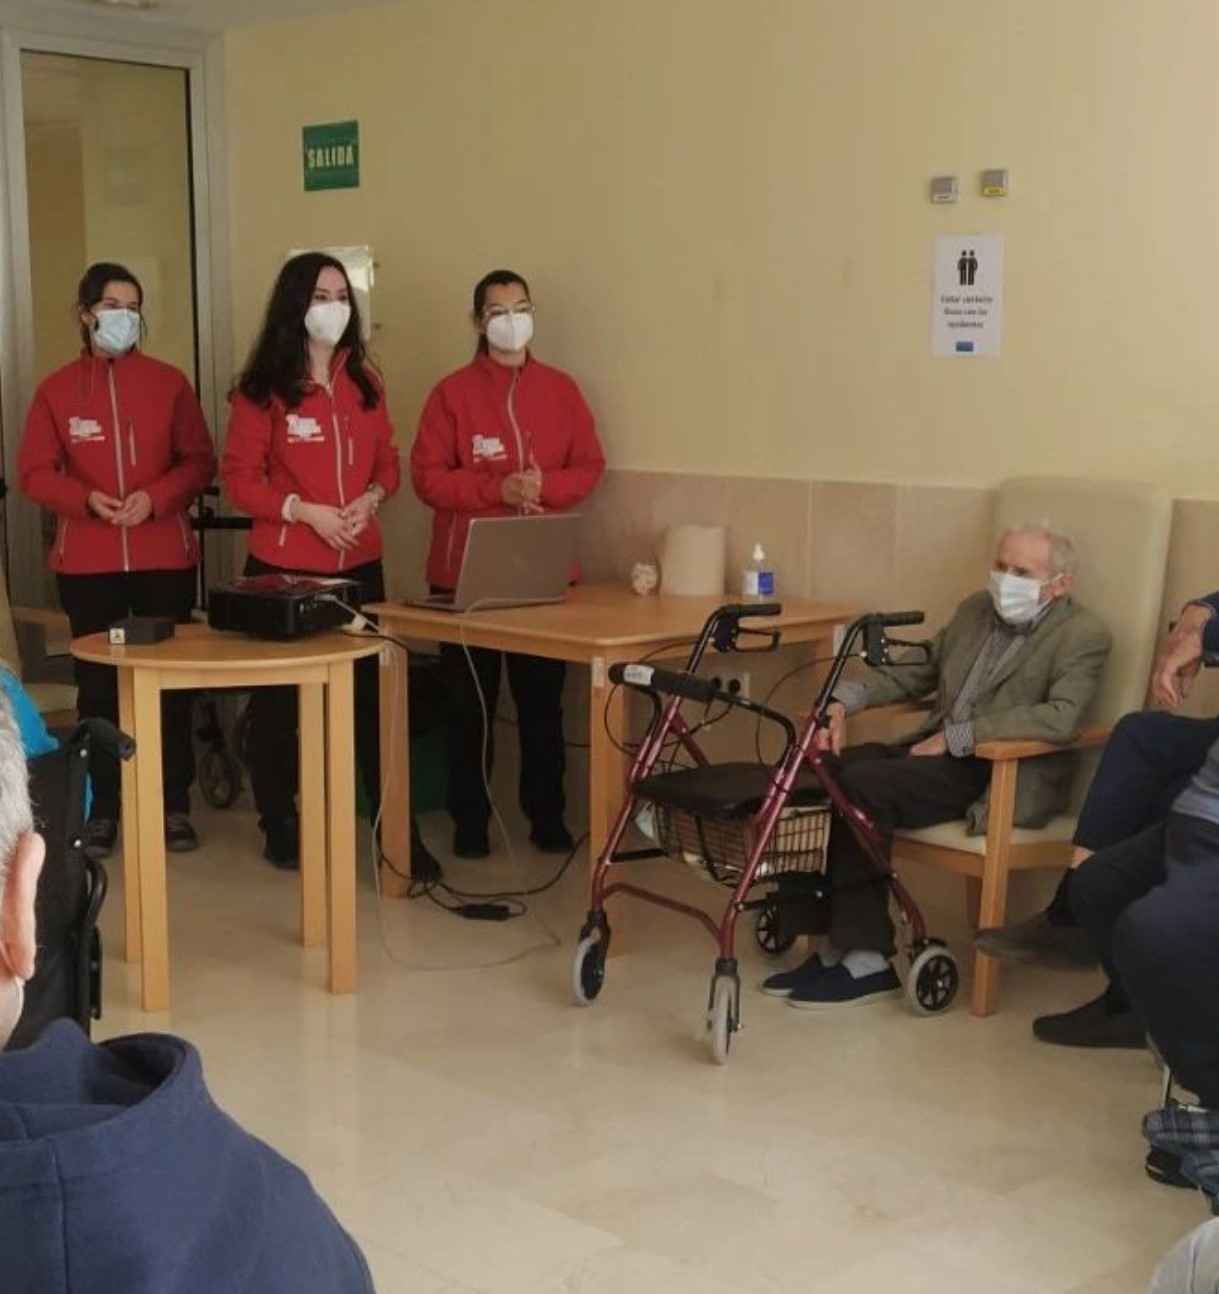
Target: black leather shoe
x: 1164, y: 1167
x: 100, y: 837
x: 283, y: 842
x: 470, y: 841
x: 1037, y: 939
x: 424, y: 866
x: 1095, y: 1024
x: 551, y: 838
x: 180, y: 836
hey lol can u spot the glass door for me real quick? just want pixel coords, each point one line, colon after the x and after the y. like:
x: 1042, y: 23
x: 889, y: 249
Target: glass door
x: 108, y: 178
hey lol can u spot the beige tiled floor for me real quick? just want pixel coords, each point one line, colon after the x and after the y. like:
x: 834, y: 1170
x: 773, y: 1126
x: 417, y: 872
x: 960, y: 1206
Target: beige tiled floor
x: 480, y: 1135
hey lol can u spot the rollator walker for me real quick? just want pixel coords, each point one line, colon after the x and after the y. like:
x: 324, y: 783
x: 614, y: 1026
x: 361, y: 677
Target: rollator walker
x: 748, y: 825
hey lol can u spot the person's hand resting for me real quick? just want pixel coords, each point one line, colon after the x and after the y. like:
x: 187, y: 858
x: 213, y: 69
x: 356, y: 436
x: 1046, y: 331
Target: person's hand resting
x: 833, y: 735
x: 103, y: 506
x: 936, y: 744
x: 136, y: 508
x: 328, y: 523
x: 523, y: 490
x: 358, y: 514
x: 1180, y: 658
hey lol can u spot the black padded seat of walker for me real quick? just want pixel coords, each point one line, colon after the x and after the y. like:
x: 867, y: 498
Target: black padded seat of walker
x: 725, y: 792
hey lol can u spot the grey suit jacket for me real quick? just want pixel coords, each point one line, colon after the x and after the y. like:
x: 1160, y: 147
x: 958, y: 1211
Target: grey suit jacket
x: 1043, y: 694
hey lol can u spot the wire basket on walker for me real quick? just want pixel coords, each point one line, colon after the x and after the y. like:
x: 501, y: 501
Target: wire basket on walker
x: 749, y: 825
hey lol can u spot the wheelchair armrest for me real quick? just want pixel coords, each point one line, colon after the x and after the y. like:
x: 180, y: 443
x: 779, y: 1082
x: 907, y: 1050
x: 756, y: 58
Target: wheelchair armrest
x: 998, y: 751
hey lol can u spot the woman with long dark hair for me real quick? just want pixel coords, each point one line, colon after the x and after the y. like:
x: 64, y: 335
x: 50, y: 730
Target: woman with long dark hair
x: 310, y: 456
x: 506, y: 434
x: 116, y: 446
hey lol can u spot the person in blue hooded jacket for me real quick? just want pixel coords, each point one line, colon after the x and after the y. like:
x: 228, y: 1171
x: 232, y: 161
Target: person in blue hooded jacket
x: 118, y: 1172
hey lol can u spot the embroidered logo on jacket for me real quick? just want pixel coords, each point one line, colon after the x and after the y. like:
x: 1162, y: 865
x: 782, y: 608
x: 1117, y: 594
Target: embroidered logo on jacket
x: 84, y: 429
x: 490, y: 447
x: 303, y: 429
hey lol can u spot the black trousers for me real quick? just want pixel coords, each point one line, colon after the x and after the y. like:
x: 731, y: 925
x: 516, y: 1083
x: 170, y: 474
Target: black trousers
x: 537, y: 689
x: 1152, y: 905
x: 274, y: 753
x: 1146, y: 764
x: 92, y: 603
x: 895, y: 789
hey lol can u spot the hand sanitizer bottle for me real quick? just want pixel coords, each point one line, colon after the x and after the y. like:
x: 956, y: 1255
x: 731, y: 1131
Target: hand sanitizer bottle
x: 759, y: 579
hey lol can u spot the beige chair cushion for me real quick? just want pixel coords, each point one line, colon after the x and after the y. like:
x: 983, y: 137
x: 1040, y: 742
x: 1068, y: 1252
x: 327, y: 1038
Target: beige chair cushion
x: 952, y: 835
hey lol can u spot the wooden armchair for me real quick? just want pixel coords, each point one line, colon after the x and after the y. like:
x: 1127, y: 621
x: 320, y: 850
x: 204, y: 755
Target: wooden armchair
x: 56, y: 701
x: 1121, y: 532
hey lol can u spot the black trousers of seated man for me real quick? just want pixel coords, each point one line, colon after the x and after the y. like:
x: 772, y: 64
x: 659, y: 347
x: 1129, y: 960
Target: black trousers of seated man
x: 895, y: 789
x: 1151, y: 906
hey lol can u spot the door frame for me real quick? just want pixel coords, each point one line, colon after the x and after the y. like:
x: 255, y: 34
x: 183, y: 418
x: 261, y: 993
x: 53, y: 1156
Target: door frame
x: 118, y: 38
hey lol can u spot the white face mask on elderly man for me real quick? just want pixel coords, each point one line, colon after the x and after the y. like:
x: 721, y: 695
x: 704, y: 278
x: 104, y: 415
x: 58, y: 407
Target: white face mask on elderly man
x: 1017, y: 598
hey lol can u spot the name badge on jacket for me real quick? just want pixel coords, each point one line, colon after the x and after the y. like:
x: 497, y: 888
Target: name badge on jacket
x: 81, y: 430
x: 488, y: 447
x: 302, y: 430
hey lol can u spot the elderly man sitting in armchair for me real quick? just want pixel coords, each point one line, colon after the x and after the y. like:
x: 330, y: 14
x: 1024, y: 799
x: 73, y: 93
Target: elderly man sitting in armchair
x: 1020, y: 660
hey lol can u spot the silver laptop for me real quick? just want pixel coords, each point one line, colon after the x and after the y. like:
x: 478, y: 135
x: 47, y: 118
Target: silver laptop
x: 512, y: 562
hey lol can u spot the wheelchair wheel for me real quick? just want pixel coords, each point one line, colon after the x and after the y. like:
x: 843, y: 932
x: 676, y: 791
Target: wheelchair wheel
x: 768, y: 930
x: 722, y: 1017
x: 219, y: 777
x: 588, y: 970
x: 933, y: 980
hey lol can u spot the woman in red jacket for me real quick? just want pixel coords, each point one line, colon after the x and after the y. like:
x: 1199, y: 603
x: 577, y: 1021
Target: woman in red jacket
x: 115, y: 444
x: 505, y: 434
x: 310, y: 456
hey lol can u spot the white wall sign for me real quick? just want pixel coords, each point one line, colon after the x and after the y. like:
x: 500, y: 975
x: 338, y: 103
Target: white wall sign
x: 967, y: 304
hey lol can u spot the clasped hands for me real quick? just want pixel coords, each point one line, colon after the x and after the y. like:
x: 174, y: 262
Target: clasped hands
x: 523, y: 489
x: 131, y: 511
x: 338, y: 528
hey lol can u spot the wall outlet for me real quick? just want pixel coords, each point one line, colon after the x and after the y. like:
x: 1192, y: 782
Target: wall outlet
x: 735, y: 681
x: 840, y: 632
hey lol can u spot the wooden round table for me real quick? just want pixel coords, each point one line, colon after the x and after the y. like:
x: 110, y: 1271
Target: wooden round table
x: 199, y: 657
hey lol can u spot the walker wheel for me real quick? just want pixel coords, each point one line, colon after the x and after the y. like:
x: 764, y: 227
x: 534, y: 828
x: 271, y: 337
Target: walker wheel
x: 723, y: 1019
x: 588, y: 970
x: 219, y: 777
x: 769, y: 931
x: 933, y: 980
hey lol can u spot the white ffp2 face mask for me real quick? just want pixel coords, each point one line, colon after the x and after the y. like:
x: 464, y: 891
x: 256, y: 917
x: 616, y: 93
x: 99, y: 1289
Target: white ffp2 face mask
x: 326, y: 321
x: 1017, y: 598
x: 510, y: 332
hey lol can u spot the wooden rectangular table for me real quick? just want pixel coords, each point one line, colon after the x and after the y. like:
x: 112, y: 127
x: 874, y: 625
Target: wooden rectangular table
x: 199, y: 657
x: 598, y: 625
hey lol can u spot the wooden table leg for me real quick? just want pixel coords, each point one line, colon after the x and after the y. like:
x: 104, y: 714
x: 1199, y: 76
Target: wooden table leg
x: 394, y: 673
x: 149, y: 825
x: 132, y: 949
x: 340, y: 826
x: 312, y: 739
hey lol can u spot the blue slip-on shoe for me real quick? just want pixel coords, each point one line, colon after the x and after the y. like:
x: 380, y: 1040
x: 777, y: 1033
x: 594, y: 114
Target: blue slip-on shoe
x: 783, y: 983
x: 836, y: 986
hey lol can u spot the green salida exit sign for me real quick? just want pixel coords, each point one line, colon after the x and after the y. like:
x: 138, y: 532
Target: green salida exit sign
x: 332, y: 155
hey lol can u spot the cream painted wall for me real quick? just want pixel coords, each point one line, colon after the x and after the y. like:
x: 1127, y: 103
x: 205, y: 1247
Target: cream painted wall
x: 721, y: 206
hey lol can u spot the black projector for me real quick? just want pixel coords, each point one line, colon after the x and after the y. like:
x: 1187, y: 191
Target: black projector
x: 283, y: 607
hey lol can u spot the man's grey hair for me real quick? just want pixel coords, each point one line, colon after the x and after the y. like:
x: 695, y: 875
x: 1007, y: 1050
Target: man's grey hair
x: 16, y: 816
x: 1062, y: 548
